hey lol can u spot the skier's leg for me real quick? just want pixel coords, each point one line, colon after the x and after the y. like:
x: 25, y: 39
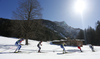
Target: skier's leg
x: 93, y: 50
x: 19, y: 47
x: 81, y: 50
x: 39, y: 49
x: 16, y: 48
x: 63, y: 50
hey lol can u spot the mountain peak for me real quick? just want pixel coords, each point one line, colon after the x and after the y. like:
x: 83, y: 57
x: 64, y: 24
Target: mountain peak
x: 62, y: 23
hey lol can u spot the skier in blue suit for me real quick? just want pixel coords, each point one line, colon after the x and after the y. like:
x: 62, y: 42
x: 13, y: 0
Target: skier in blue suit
x: 90, y: 45
x: 62, y: 46
x: 18, y: 44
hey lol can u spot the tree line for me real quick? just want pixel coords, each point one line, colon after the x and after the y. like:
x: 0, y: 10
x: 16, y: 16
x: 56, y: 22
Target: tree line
x: 32, y: 29
x: 90, y: 35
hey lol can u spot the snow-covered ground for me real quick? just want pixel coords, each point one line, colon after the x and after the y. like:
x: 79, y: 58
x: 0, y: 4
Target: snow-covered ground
x: 7, y: 48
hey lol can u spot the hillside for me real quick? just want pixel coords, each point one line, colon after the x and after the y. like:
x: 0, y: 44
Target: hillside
x: 50, y: 51
x: 73, y: 32
x: 37, y: 29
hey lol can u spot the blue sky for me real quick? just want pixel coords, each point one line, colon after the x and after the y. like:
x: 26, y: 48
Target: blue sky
x: 60, y: 10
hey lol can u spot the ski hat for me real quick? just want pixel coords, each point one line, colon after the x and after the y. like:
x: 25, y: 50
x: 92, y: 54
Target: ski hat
x: 40, y: 41
x: 21, y: 38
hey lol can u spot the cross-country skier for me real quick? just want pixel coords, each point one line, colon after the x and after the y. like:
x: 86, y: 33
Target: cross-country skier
x: 90, y: 45
x: 38, y: 45
x: 80, y: 48
x: 18, y: 44
x: 62, y: 46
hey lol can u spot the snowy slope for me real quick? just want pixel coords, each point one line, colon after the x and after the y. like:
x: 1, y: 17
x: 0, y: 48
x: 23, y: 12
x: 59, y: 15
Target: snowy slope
x: 51, y: 51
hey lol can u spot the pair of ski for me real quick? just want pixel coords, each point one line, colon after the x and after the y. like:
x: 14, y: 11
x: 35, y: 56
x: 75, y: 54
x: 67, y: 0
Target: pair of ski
x: 67, y: 52
x: 21, y: 52
x: 64, y: 53
x: 27, y: 52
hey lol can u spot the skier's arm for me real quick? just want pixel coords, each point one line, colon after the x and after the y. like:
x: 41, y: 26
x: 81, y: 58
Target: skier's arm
x: 19, y: 43
x: 41, y: 44
x: 65, y: 44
